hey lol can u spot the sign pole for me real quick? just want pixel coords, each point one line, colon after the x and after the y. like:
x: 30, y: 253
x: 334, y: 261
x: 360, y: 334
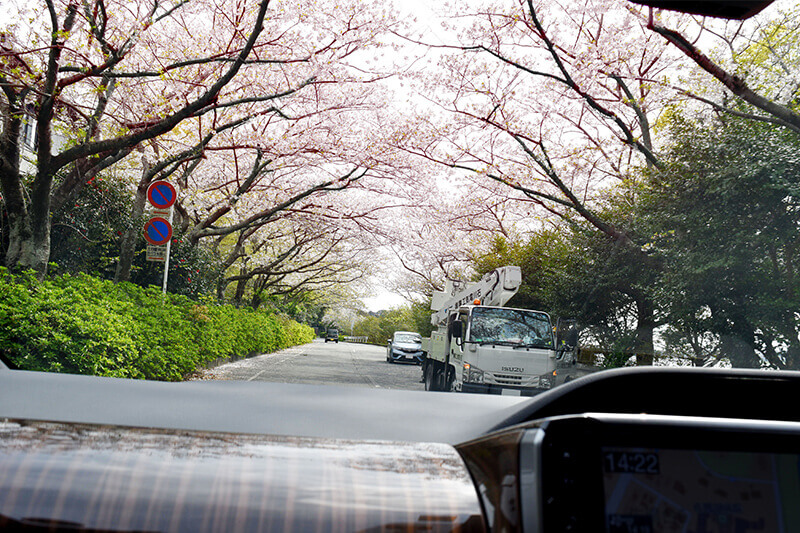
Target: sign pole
x: 158, y: 230
x: 166, y: 260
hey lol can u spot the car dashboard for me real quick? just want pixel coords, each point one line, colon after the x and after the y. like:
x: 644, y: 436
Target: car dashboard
x: 94, y: 478
x: 634, y: 450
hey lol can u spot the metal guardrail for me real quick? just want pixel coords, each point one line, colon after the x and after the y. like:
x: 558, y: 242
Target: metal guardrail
x: 362, y: 340
x: 588, y: 354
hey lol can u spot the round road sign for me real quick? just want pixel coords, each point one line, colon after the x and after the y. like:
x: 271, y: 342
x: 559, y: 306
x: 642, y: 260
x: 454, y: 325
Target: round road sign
x: 161, y: 194
x: 157, y: 231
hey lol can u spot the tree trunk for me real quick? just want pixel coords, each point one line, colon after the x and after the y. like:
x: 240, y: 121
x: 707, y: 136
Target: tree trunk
x: 258, y: 289
x: 645, y: 324
x: 793, y: 357
x: 241, y: 285
x: 221, y: 286
x: 33, y: 244
x: 739, y: 348
x: 135, y: 228
x: 19, y: 230
x: 29, y: 229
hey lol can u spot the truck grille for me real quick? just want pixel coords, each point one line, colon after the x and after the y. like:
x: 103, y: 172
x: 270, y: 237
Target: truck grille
x: 508, y: 379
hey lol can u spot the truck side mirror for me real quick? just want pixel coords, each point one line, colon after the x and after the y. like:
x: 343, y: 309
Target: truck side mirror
x: 566, y: 333
x: 456, y: 329
x: 572, y: 337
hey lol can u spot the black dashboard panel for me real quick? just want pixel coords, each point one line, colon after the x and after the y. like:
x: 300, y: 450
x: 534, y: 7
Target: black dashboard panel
x: 701, y: 392
x: 546, y: 460
x: 360, y: 413
x: 620, y: 473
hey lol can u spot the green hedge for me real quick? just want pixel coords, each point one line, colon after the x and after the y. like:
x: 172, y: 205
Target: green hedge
x: 84, y: 325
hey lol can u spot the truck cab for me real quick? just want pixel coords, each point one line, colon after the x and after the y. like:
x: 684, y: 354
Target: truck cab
x: 481, y: 346
x: 495, y: 350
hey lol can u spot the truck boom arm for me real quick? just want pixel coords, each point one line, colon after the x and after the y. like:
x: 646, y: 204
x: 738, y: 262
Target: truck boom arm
x: 494, y: 289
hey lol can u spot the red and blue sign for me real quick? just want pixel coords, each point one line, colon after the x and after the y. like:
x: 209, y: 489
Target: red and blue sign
x: 157, y: 231
x: 161, y: 194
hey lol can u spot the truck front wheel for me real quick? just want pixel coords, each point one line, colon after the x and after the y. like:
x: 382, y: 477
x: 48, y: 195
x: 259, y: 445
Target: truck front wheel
x: 435, y: 378
x: 430, y: 376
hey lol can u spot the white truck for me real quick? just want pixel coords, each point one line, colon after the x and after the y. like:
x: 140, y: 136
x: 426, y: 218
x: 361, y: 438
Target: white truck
x: 483, y: 347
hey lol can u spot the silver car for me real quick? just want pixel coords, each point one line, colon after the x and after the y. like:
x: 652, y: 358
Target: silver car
x: 405, y: 346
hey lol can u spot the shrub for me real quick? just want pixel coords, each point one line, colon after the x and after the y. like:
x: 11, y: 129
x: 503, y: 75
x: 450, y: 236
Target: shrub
x: 84, y: 325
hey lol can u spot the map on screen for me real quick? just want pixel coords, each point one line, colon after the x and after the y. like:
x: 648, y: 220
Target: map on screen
x: 690, y: 491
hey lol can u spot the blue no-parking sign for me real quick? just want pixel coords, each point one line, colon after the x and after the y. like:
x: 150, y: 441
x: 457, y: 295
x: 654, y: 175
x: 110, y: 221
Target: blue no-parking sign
x: 157, y: 231
x: 161, y: 194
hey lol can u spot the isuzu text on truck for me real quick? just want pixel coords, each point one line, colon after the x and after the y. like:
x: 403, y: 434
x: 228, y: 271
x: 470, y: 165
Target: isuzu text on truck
x: 481, y: 346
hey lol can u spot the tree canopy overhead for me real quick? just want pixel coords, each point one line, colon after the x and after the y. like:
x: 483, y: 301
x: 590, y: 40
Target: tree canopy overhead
x: 640, y: 169
x: 102, y: 81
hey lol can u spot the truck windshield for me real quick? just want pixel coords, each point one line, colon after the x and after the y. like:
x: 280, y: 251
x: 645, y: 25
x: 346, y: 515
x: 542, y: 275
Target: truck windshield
x: 512, y: 326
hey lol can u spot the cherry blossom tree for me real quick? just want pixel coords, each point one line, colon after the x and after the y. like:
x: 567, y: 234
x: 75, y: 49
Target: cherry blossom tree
x: 754, y: 60
x: 56, y: 65
x: 553, y: 100
x: 554, y: 103
x: 293, y: 257
x: 271, y: 178
x: 433, y: 230
x: 106, y: 79
x: 548, y: 104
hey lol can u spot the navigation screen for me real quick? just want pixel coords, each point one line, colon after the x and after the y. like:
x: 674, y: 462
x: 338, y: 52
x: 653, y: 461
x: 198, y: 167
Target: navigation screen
x: 664, y: 490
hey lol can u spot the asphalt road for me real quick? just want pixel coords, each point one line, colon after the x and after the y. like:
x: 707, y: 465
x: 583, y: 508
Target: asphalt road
x: 342, y: 363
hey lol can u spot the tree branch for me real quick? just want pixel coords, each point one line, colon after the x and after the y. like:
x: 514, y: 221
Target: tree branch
x: 171, y: 121
x: 735, y: 84
x: 629, y: 138
x: 727, y: 110
x: 263, y: 217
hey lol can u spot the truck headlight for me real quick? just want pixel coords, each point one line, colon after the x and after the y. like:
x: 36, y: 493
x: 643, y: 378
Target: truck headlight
x: 546, y: 381
x: 472, y: 374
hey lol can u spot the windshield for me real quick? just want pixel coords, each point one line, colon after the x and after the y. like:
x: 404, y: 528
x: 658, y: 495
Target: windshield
x: 407, y: 338
x: 281, y: 188
x: 515, y: 326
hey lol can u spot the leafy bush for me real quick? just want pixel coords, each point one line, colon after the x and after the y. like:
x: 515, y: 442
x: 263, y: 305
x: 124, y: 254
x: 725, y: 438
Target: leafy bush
x: 86, y: 230
x: 84, y: 325
x: 194, y: 270
x: 380, y: 327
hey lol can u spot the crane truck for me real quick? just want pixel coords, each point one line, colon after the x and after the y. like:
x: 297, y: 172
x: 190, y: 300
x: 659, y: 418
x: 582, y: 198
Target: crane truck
x: 481, y: 346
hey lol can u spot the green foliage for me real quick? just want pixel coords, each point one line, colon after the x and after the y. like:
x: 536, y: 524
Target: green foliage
x: 771, y: 60
x: 712, y: 257
x: 575, y: 272
x: 381, y: 326
x: 83, y: 325
x: 421, y: 318
x: 86, y: 231
x: 302, y: 307
x: 723, y: 218
x: 194, y: 269
x: 543, y: 259
x: 713, y: 253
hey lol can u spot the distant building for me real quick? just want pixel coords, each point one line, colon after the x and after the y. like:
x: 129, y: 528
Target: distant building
x: 29, y: 141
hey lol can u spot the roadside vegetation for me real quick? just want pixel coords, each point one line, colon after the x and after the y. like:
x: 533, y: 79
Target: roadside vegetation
x: 380, y: 326
x: 79, y: 324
